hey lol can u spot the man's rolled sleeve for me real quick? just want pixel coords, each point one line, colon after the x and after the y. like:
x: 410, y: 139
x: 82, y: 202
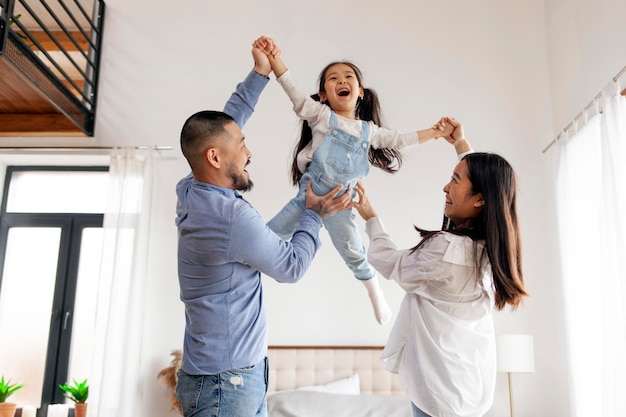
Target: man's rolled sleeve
x: 241, y: 103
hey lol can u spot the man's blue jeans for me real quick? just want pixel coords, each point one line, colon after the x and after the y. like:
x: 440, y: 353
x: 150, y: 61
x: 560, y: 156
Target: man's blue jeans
x: 238, y: 392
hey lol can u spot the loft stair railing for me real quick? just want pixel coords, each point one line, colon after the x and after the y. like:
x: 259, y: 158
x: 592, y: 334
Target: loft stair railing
x: 56, y: 44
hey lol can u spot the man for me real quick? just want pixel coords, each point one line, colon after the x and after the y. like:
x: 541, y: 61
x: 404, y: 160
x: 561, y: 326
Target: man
x: 224, y: 246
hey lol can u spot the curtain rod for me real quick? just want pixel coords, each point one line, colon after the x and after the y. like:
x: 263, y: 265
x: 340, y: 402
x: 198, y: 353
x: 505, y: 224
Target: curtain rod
x: 587, y: 107
x: 80, y: 148
x: 70, y: 151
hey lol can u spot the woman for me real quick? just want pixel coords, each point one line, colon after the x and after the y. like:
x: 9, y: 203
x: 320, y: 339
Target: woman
x: 442, y: 344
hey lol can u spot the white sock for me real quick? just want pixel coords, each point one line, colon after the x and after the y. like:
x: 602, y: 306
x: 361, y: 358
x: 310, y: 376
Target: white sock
x: 382, y: 311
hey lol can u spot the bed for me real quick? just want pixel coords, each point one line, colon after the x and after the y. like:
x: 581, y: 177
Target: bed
x: 345, y: 381
x: 323, y: 381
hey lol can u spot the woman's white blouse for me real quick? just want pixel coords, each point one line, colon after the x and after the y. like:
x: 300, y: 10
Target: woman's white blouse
x: 442, y: 344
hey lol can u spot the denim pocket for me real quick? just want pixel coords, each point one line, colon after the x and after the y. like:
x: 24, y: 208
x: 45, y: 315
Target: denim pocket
x: 189, y: 391
x: 344, y: 157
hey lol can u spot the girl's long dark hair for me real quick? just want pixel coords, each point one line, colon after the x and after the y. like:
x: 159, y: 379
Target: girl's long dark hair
x: 496, y: 224
x: 368, y: 109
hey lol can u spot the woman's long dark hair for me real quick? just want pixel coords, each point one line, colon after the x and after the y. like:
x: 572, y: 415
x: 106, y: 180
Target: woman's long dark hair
x: 496, y: 224
x: 368, y: 109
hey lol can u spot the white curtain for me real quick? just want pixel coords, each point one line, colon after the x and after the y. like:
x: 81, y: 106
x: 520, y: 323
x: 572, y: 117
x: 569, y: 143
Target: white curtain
x: 591, y: 200
x: 115, y: 383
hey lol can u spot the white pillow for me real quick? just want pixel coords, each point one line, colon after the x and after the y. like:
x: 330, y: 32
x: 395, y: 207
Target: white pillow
x: 350, y: 385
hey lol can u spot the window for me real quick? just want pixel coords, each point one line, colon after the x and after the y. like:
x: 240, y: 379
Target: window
x: 591, y: 208
x: 50, y: 247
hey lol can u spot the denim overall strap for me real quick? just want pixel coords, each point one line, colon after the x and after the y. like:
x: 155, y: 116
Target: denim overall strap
x: 365, y: 133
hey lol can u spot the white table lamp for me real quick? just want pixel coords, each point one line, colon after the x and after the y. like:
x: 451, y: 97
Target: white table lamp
x: 515, y: 354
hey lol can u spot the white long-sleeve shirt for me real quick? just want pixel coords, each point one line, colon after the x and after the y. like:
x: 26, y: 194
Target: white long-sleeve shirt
x: 318, y: 116
x: 442, y: 344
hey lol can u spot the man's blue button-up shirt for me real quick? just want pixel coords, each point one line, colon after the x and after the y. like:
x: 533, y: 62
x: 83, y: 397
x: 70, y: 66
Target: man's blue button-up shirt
x: 224, y: 246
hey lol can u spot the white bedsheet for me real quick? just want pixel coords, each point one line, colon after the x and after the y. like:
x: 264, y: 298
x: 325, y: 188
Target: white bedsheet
x: 321, y: 404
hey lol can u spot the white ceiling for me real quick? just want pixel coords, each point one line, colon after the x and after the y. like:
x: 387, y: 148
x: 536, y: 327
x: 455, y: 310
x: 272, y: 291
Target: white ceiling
x: 46, y: 16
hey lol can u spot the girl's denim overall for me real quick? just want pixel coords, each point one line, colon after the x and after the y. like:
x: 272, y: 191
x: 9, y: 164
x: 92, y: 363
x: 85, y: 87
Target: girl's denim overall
x: 341, y: 159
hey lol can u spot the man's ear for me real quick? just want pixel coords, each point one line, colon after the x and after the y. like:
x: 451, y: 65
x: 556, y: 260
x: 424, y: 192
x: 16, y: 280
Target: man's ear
x: 212, y: 156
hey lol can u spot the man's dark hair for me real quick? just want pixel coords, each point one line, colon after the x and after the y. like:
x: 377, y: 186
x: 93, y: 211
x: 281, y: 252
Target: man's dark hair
x: 199, y: 133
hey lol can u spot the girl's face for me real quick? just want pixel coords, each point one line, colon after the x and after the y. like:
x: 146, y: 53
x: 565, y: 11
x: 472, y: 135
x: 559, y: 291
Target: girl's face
x: 341, y: 90
x: 462, y: 204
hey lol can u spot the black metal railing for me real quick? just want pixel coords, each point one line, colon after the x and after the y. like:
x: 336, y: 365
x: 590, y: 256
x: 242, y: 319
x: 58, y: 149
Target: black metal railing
x: 56, y: 44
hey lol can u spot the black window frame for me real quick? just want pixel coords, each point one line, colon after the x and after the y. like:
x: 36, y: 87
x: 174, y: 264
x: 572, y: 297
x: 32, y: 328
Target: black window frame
x: 71, y: 225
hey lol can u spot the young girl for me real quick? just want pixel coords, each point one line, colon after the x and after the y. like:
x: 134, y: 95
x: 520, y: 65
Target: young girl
x: 341, y: 136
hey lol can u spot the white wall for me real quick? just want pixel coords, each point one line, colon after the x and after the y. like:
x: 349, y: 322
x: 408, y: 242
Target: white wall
x: 585, y: 42
x: 586, y: 49
x: 489, y: 63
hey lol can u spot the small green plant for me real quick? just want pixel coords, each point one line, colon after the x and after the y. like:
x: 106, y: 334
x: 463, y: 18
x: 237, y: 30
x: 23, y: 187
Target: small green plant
x: 6, y: 389
x: 12, y: 21
x: 78, y: 392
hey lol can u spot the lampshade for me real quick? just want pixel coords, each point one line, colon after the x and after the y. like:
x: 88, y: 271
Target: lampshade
x: 515, y: 353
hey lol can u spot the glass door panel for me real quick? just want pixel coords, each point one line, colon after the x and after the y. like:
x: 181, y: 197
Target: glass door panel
x: 85, y: 305
x: 26, y: 295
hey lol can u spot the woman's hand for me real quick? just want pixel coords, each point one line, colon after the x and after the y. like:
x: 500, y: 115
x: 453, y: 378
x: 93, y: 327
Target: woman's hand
x: 457, y: 133
x: 451, y: 130
x: 457, y: 137
x: 363, y: 205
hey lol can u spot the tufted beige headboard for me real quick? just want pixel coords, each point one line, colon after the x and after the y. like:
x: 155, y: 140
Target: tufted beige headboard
x: 296, y: 366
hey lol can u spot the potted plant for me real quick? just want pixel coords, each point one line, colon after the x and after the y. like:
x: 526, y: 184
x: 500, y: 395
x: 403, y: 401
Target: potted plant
x: 6, y: 389
x: 78, y: 393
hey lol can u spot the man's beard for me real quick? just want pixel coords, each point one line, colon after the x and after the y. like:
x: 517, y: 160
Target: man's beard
x: 240, y: 182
